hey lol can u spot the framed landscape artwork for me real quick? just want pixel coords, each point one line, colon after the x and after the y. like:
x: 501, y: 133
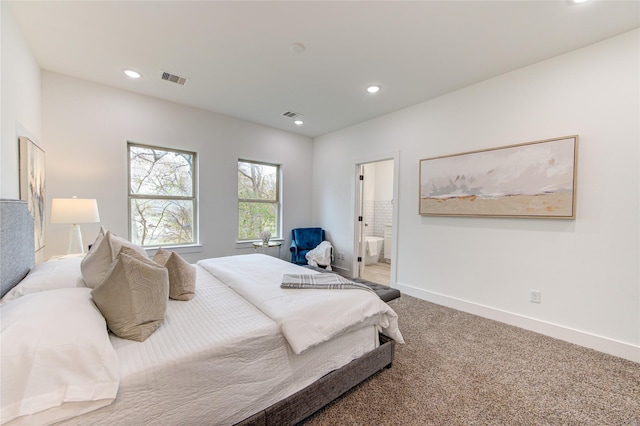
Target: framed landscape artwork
x: 32, y: 186
x: 530, y: 180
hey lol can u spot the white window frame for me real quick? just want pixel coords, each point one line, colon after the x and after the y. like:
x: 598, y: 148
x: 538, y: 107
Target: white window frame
x: 193, y: 198
x: 277, y: 201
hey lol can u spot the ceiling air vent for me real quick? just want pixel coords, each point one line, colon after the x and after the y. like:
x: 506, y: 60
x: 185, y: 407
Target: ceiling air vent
x: 174, y: 78
x: 290, y: 114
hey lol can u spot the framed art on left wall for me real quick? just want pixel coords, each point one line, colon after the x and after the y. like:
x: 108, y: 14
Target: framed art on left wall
x: 32, y: 186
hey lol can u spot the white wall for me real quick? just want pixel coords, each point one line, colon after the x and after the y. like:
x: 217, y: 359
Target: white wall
x: 87, y: 127
x: 588, y: 269
x: 384, y: 180
x: 378, y: 183
x: 20, y: 105
x: 369, y: 183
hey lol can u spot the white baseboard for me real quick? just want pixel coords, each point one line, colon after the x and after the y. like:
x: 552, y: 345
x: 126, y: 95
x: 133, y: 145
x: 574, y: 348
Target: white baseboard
x: 341, y: 270
x: 582, y: 338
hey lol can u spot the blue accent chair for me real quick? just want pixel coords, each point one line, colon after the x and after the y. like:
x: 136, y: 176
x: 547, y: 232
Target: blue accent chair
x: 302, y: 241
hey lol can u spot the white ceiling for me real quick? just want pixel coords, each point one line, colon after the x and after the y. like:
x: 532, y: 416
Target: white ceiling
x: 236, y: 54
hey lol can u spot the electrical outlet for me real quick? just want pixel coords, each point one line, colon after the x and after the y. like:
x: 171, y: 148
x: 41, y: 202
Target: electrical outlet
x: 340, y: 256
x: 536, y: 296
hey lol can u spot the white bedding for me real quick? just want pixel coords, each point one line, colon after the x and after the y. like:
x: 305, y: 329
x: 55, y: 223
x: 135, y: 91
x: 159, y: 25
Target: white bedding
x: 216, y: 360
x: 56, y: 359
x: 306, y: 317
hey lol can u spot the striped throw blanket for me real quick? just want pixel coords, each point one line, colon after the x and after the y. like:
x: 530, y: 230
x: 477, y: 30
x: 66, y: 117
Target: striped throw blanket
x: 321, y: 281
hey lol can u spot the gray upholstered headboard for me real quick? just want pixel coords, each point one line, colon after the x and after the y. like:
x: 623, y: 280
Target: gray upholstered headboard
x: 17, y: 249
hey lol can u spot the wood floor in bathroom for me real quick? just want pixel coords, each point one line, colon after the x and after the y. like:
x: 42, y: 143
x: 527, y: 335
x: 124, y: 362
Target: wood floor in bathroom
x: 378, y: 273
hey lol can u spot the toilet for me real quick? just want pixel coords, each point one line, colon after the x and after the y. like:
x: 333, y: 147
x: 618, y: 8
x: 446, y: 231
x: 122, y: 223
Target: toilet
x: 372, y: 248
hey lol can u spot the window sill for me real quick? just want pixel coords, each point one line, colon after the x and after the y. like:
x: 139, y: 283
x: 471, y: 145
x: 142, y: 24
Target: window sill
x: 192, y: 248
x: 249, y: 244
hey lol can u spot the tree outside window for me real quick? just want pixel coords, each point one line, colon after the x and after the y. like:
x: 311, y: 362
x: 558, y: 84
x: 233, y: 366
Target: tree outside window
x: 162, y: 201
x: 258, y: 200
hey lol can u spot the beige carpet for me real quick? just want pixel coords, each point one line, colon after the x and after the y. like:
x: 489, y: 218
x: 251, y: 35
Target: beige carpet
x: 460, y: 369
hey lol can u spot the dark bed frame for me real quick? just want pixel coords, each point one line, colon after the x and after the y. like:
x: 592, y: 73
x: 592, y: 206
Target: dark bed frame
x: 17, y: 258
x: 307, y: 401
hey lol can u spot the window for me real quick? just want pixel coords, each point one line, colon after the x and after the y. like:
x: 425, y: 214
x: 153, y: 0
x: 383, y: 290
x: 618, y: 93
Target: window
x: 258, y: 200
x: 162, y: 196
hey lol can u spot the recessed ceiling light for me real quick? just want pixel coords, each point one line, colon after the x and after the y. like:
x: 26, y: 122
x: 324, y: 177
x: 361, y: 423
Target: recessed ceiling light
x: 579, y: 1
x: 132, y: 74
x: 373, y: 89
x: 298, y: 122
x: 297, y: 48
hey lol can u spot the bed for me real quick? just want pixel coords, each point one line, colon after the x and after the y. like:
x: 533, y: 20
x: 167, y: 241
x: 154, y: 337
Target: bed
x: 242, y: 351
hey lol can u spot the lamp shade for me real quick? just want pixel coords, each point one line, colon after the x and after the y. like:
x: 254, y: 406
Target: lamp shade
x: 74, y: 210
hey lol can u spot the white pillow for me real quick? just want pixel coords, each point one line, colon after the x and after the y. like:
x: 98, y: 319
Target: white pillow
x: 52, y: 275
x: 55, y: 351
x: 103, y: 252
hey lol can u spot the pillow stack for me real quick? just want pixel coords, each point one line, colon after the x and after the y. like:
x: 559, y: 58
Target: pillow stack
x: 131, y: 290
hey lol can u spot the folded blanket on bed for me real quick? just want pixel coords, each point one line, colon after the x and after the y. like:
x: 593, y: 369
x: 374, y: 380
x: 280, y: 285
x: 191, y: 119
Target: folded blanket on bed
x: 321, y: 281
x: 306, y: 318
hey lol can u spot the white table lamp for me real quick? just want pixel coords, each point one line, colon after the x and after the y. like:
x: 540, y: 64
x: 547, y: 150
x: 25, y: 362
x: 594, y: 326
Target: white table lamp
x: 74, y: 211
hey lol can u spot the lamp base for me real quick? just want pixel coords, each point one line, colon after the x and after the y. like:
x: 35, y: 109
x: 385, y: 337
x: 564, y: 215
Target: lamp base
x: 75, y: 240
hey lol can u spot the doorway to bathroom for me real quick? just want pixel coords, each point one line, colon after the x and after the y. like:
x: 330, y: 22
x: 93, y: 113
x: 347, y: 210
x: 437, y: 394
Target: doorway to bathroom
x: 375, y: 220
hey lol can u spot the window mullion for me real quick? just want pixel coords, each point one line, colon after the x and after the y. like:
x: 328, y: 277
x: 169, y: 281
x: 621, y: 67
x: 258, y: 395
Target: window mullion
x: 159, y: 197
x: 254, y: 200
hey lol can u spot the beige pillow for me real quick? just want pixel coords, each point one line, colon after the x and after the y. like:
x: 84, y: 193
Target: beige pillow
x: 101, y: 234
x: 133, y: 295
x: 104, y: 250
x: 182, y: 275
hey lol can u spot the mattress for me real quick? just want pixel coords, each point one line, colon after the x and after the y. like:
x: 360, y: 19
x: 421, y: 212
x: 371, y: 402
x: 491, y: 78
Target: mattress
x: 217, y: 360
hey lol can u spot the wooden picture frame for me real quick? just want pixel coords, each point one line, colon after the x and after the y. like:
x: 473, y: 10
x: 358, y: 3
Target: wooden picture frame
x: 32, y: 186
x: 528, y: 180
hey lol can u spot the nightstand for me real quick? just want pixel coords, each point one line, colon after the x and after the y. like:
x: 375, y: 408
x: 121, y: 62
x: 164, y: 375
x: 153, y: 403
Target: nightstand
x: 270, y: 244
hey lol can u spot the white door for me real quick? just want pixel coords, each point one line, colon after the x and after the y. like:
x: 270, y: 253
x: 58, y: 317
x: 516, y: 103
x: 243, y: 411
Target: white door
x: 360, y: 220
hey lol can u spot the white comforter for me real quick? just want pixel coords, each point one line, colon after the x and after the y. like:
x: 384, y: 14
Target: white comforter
x: 216, y: 360
x: 306, y: 317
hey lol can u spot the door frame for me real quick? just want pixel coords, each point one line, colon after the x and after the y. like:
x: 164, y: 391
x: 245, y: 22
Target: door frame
x: 358, y: 244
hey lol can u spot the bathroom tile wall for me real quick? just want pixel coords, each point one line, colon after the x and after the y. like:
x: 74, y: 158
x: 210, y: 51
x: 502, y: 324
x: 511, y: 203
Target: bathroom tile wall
x: 376, y: 215
x: 369, y: 217
x: 383, y: 214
